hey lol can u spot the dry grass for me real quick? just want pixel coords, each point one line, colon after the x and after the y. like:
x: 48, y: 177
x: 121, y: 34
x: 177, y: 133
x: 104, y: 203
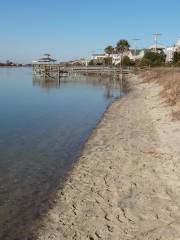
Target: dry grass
x: 175, y: 115
x: 169, y: 78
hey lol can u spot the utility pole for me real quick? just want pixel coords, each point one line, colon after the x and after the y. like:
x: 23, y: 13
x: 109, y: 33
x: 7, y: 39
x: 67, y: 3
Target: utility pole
x: 135, y: 44
x: 156, y: 35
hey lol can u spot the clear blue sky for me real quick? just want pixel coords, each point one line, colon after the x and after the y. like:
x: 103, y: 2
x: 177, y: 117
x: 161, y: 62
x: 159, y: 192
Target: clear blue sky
x: 75, y: 28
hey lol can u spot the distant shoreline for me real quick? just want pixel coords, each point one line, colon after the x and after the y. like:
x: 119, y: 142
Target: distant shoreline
x: 15, y: 66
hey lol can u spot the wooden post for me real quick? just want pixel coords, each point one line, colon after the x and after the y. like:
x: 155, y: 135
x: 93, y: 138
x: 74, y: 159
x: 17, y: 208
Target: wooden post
x: 59, y: 72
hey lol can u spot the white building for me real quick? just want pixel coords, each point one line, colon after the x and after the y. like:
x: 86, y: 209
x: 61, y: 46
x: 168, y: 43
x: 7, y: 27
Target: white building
x: 132, y: 54
x: 80, y: 62
x: 171, y: 50
x: 136, y: 54
x: 157, y: 48
x: 99, y: 56
x: 169, y: 53
x: 116, y: 58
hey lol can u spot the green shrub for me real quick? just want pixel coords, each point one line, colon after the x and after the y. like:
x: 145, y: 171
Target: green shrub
x: 126, y: 61
x: 108, y: 61
x: 176, y: 57
x: 91, y: 63
x: 153, y: 59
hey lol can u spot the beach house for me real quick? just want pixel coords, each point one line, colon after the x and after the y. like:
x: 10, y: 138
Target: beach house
x: 171, y: 50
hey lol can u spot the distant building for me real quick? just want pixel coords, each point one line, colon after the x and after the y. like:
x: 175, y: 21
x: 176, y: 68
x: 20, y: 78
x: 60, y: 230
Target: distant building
x: 79, y: 62
x: 46, y: 59
x: 116, y: 57
x: 133, y: 54
x: 169, y: 53
x: 171, y: 50
x: 157, y: 48
x: 99, y: 56
x: 136, y: 54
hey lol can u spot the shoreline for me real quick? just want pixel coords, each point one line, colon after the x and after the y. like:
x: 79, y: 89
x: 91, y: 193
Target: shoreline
x: 122, y: 186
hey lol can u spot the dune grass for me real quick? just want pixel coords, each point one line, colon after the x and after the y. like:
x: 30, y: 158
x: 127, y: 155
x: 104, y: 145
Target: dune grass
x: 169, y: 79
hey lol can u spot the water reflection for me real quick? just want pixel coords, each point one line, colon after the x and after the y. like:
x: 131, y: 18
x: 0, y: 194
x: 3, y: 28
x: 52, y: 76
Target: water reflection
x: 46, y: 83
x: 109, y: 83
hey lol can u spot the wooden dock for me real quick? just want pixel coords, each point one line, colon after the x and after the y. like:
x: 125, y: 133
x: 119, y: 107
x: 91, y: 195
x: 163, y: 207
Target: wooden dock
x: 56, y: 70
x: 49, y: 70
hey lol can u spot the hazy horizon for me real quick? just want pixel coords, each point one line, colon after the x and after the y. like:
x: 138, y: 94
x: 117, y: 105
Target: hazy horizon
x: 75, y: 29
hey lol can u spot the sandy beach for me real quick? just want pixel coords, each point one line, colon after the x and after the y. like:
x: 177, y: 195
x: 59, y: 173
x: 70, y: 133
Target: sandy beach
x: 126, y: 183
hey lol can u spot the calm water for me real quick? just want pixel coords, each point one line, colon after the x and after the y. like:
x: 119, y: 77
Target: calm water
x: 43, y: 125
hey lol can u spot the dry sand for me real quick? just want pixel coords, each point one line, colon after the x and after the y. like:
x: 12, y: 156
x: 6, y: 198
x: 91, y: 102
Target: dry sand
x: 126, y: 184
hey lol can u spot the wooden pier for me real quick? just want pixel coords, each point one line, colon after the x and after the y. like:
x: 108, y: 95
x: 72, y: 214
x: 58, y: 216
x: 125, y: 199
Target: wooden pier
x: 49, y: 70
x: 56, y: 70
x: 100, y: 70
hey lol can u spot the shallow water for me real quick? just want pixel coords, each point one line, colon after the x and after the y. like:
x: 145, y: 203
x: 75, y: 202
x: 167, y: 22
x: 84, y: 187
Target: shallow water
x: 43, y: 125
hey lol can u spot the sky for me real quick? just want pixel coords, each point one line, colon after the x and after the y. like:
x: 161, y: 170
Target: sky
x: 71, y: 29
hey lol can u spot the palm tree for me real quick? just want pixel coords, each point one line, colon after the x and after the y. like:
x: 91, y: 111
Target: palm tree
x: 122, y: 46
x: 109, y: 50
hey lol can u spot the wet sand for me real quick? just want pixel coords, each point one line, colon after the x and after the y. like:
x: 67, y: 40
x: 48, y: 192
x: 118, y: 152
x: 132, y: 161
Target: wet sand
x: 126, y: 184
